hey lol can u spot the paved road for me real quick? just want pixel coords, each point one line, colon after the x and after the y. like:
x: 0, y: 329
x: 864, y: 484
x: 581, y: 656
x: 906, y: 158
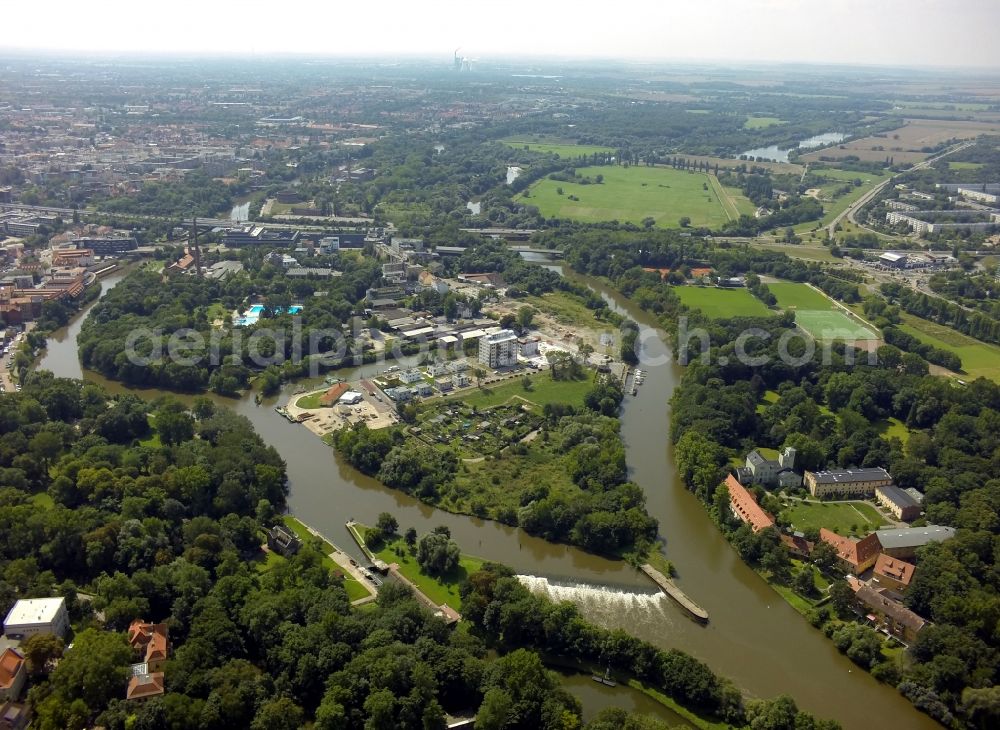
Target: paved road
x: 851, y: 210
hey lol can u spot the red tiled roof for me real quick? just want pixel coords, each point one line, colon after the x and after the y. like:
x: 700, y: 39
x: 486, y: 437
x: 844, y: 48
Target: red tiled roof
x: 894, y: 568
x: 145, y: 685
x: 150, y: 638
x: 746, y: 507
x: 333, y: 394
x: 854, y: 552
x: 11, y: 662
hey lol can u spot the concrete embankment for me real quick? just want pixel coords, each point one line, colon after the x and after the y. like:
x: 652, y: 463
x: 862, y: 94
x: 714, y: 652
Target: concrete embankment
x: 671, y: 589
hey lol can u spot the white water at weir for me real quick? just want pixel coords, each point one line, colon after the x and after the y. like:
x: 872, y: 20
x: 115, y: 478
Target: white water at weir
x: 601, y: 603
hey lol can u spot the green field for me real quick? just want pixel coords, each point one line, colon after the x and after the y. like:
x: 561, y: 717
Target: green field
x: 762, y: 122
x: 568, y: 150
x: 568, y: 309
x: 894, y: 428
x: 722, y: 303
x: 979, y: 359
x: 837, y: 516
x: 543, y: 390
x: 832, y: 209
x: 801, y: 251
x: 817, y: 314
x: 440, y: 590
x: 964, y: 165
x: 631, y: 194
x: 311, y: 400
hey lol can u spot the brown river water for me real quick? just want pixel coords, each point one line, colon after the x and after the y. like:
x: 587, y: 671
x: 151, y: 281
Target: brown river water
x: 753, y: 637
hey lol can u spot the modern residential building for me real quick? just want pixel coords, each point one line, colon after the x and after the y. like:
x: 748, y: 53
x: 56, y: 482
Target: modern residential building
x: 12, y: 674
x: 892, y: 574
x: 745, y: 507
x: 854, y: 556
x: 847, y: 482
x: 898, y: 502
x: 769, y: 472
x: 499, y: 349
x: 903, y: 542
x: 106, y: 245
x: 31, y: 616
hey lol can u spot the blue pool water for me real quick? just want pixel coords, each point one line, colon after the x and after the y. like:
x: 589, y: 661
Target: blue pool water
x: 253, y: 314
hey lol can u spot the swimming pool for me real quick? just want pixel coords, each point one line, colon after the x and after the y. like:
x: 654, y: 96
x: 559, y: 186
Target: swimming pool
x: 251, y: 316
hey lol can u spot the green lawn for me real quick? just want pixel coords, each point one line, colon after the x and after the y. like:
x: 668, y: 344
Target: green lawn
x: 311, y: 400
x: 567, y: 308
x: 837, y: 516
x: 722, y: 303
x: 801, y: 251
x: 964, y: 165
x: 978, y: 358
x: 543, y: 390
x: 762, y: 122
x: 562, y: 149
x: 355, y: 590
x: 440, y: 590
x: 817, y: 314
x: 894, y: 428
x: 631, y: 194
x: 832, y: 209
x: 216, y: 311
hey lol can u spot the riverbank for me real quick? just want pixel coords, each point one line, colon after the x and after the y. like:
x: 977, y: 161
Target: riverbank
x: 359, y: 589
x: 746, y: 619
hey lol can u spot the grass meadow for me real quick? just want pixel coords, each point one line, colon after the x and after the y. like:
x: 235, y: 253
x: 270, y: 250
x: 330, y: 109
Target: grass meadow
x: 632, y: 194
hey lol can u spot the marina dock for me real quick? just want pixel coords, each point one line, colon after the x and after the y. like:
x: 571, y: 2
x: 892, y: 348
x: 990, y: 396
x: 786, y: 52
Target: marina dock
x: 671, y: 589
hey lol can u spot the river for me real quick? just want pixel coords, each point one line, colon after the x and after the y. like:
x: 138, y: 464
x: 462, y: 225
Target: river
x: 776, y: 154
x: 754, y: 637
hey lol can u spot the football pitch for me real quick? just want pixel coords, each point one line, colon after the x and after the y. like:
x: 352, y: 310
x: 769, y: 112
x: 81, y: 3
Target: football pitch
x: 818, y: 315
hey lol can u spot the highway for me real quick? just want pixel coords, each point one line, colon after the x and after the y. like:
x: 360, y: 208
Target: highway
x: 851, y: 210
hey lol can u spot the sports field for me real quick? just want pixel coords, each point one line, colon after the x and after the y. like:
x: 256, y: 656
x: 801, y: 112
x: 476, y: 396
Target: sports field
x: 978, y: 358
x: 631, y: 194
x: 722, y: 303
x: 818, y: 315
x: 562, y: 149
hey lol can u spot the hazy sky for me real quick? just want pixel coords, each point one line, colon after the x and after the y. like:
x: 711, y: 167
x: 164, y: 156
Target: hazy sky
x: 895, y: 32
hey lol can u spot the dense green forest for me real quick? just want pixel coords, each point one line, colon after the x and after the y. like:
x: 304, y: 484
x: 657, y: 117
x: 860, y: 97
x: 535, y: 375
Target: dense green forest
x: 571, y: 483
x: 197, y: 194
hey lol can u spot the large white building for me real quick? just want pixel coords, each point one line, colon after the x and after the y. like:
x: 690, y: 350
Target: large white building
x: 499, y: 349
x: 31, y: 616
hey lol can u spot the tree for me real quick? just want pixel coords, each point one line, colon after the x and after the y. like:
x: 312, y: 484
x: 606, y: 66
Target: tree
x: 526, y: 382
x: 437, y: 554
x: 410, y: 537
x: 803, y: 582
x: 86, y: 679
x: 278, y: 714
x: 525, y: 315
x: 841, y: 598
x: 824, y: 556
x: 684, y: 221
x: 39, y: 650
x: 386, y: 524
